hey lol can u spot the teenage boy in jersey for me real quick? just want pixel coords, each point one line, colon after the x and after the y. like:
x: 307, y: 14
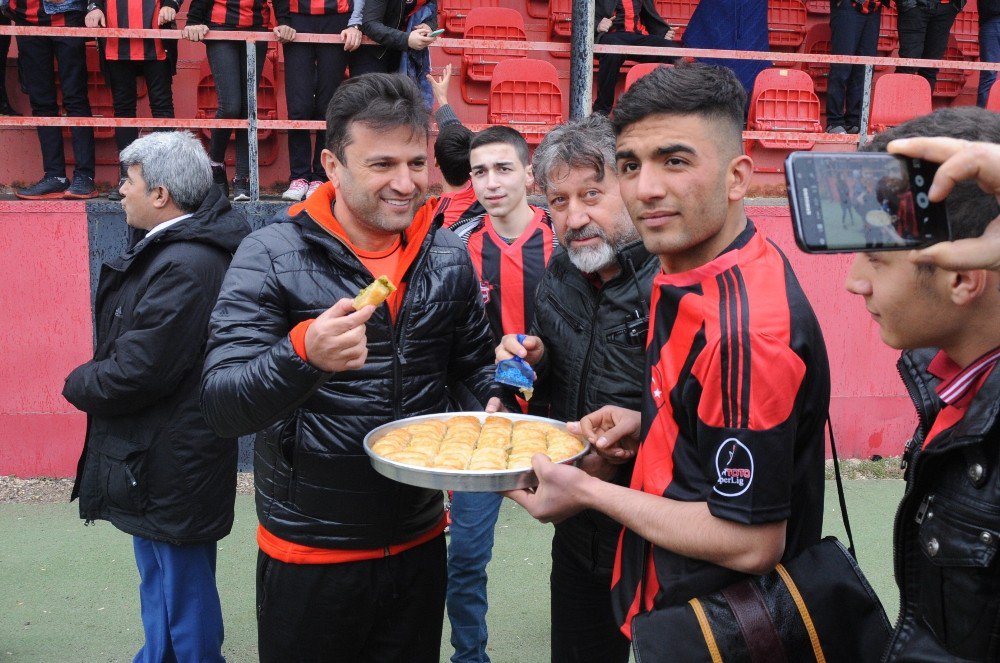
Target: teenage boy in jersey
x: 37, y: 60
x: 728, y: 478
x: 625, y: 23
x: 351, y: 564
x: 510, y: 245
x: 125, y: 60
x: 945, y: 320
x: 587, y: 345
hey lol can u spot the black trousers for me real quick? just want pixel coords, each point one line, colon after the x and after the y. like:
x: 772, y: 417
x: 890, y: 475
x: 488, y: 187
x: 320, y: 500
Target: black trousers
x: 374, y: 611
x: 609, y: 64
x: 313, y: 72
x: 228, y: 62
x: 852, y: 33
x: 122, y: 78
x: 4, y: 50
x: 923, y: 33
x: 36, y: 61
x: 584, y: 629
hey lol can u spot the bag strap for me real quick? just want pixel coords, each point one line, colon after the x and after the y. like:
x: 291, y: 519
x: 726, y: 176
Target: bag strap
x: 840, y: 490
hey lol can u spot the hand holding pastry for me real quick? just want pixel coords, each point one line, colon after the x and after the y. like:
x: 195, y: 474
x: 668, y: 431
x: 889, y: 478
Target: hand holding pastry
x: 530, y: 349
x: 612, y: 430
x: 336, y: 340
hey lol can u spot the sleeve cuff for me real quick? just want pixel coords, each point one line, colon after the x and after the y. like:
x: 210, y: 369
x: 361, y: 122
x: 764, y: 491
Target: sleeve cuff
x: 298, y: 338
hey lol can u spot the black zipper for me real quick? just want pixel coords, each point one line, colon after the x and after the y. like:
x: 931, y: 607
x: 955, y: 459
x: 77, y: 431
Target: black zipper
x: 585, y: 367
x: 566, y: 315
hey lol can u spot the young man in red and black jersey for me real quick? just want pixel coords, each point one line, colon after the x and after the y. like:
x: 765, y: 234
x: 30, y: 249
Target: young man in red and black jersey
x: 625, y: 23
x: 128, y: 59
x: 510, y: 246
x: 36, y: 64
x: 728, y: 476
x: 945, y: 321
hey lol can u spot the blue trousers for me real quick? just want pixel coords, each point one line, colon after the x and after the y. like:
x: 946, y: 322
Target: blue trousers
x: 181, y: 613
x: 473, y: 517
x: 989, y: 51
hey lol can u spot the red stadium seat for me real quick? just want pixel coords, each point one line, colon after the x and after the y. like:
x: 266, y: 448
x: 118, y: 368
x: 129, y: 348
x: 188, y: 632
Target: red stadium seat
x: 526, y: 93
x: 537, y: 8
x: 818, y: 6
x: 993, y: 101
x: 965, y: 30
x: 677, y: 13
x: 494, y: 24
x: 786, y: 23
x: 641, y: 69
x: 560, y: 23
x: 951, y: 81
x: 897, y: 98
x: 817, y: 42
x: 452, y: 15
x: 98, y: 92
x: 888, y: 34
x: 782, y: 100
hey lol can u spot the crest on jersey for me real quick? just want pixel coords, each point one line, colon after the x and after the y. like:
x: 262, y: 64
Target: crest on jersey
x: 484, y: 291
x: 734, y: 466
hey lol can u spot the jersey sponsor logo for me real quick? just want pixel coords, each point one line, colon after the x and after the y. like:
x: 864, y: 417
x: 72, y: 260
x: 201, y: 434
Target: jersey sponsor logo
x: 484, y: 291
x: 734, y: 466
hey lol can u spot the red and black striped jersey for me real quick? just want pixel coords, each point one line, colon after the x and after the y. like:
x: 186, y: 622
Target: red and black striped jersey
x: 134, y: 14
x: 738, y: 394
x: 509, y: 273
x: 459, y: 205
x: 320, y: 7
x: 31, y: 12
x: 237, y: 14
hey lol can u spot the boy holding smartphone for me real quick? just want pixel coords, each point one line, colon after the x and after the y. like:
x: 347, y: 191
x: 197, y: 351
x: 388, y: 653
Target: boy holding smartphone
x: 946, y: 321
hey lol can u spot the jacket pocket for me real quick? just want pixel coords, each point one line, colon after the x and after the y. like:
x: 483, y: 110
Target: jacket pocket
x: 123, y: 472
x: 959, y: 580
x: 564, y: 313
x: 632, y: 334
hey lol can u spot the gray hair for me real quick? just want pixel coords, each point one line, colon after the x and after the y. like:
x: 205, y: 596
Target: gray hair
x: 174, y: 160
x: 585, y: 143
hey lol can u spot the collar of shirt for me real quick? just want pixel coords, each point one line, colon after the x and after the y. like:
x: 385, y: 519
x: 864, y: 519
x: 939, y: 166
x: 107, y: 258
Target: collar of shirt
x: 955, y: 380
x: 166, y: 224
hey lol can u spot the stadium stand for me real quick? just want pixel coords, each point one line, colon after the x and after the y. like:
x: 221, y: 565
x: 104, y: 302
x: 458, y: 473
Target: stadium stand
x: 526, y: 92
x: 897, y: 98
x: 494, y: 24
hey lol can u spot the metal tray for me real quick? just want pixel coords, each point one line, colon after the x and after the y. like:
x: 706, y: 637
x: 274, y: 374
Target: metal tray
x: 472, y: 481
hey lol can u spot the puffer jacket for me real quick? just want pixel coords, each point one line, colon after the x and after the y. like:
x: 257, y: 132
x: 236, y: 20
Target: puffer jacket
x: 150, y: 464
x: 948, y: 529
x: 315, y: 484
x: 384, y: 22
x: 595, y: 343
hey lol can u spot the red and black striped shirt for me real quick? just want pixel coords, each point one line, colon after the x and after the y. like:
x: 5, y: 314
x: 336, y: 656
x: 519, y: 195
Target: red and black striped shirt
x: 459, y: 205
x: 320, y: 7
x: 31, y: 12
x: 738, y: 393
x: 237, y: 14
x: 509, y: 273
x: 134, y: 14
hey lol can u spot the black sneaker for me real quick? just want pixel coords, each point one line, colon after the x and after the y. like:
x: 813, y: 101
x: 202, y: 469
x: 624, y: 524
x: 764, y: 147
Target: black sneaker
x: 241, y: 189
x: 47, y: 188
x: 219, y: 178
x: 854, y: 130
x: 82, y: 188
x: 116, y: 193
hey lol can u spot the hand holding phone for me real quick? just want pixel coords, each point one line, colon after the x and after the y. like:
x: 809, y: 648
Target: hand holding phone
x: 868, y: 201
x: 436, y: 33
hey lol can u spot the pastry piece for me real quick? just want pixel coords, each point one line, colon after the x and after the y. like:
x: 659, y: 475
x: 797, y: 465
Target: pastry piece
x: 375, y: 293
x: 488, y: 459
x: 383, y: 447
x: 463, y: 421
x: 407, y: 457
x: 519, y: 462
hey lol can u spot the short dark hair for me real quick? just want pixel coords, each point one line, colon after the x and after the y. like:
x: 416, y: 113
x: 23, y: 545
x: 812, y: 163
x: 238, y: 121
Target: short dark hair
x: 379, y: 101
x: 685, y: 89
x: 502, y: 134
x: 451, y: 149
x: 587, y: 142
x: 970, y: 209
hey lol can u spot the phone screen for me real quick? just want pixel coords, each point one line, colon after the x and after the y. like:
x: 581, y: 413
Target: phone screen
x: 869, y: 201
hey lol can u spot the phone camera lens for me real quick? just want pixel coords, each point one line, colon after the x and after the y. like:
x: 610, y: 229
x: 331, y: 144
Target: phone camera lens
x: 919, y: 180
x: 922, y: 201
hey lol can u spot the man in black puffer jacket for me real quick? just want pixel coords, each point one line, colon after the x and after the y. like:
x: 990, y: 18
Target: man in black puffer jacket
x: 351, y: 564
x: 150, y: 464
x: 587, y: 344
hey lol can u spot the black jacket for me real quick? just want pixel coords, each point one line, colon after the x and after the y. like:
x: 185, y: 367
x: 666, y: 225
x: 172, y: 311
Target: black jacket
x: 649, y: 17
x: 948, y: 528
x: 315, y: 485
x: 384, y: 22
x: 150, y: 464
x: 595, y: 343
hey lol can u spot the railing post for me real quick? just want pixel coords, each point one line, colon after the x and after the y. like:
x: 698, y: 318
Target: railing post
x: 581, y: 68
x: 866, y: 103
x: 252, y: 120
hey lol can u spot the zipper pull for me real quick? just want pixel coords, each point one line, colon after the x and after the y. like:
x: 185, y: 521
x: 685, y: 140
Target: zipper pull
x: 922, y: 509
x: 131, y: 478
x: 399, y: 355
x: 904, y: 461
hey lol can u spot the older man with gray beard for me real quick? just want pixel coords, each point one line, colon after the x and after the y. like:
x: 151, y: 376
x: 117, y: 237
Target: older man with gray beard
x: 586, y: 344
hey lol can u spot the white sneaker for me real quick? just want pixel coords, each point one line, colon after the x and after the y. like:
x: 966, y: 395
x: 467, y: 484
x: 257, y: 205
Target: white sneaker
x: 296, y: 190
x: 315, y: 184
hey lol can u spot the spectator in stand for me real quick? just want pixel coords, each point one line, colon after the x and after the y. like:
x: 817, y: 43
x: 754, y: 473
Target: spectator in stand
x: 924, y: 26
x: 312, y: 74
x: 125, y: 60
x: 36, y: 64
x: 228, y: 61
x: 5, y: 107
x: 989, y: 46
x: 451, y: 151
x: 385, y: 23
x: 625, y: 23
x: 854, y: 26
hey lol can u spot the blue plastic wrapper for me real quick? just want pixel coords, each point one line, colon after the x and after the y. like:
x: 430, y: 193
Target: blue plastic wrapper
x: 516, y: 372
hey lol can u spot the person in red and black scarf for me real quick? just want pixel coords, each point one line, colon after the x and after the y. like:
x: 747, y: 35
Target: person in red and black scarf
x: 127, y: 59
x: 36, y: 63
x: 228, y: 62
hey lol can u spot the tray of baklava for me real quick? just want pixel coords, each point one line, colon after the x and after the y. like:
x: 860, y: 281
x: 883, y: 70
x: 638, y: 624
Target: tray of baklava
x: 470, y: 451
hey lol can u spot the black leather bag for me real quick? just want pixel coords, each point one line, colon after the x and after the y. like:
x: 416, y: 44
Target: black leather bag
x: 816, y: 607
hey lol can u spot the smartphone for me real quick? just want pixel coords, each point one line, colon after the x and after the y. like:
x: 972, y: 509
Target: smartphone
x: 865, y: 201
x: 437, y: 33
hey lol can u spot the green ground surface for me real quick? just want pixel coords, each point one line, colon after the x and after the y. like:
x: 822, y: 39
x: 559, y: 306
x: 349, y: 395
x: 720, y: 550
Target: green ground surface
x: 68, y: 593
